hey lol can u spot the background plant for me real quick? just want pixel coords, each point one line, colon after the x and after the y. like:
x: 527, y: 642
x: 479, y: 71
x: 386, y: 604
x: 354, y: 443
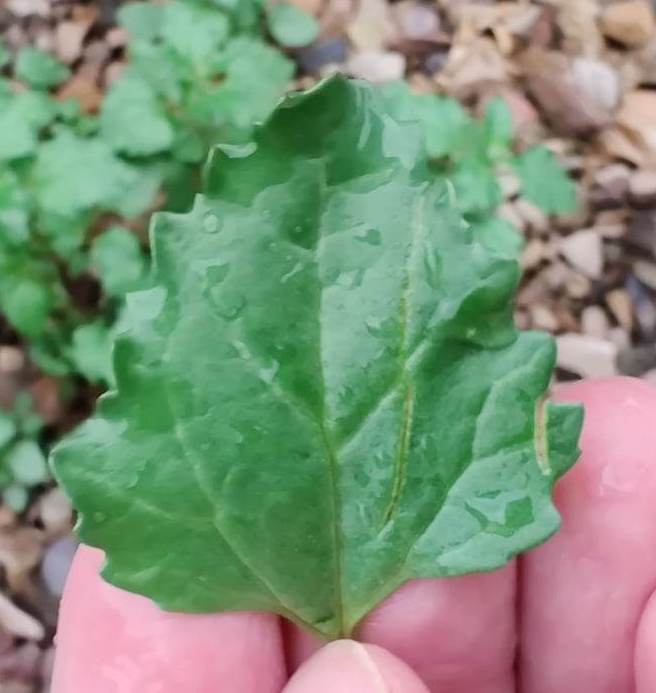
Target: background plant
x: 471, y: 153
x: 198, y: 73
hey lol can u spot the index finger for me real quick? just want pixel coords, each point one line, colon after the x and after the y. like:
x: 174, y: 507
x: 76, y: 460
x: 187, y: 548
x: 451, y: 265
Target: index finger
x: 109, y: 640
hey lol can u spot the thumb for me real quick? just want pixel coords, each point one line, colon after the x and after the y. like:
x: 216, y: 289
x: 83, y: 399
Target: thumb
x: 346, y: 666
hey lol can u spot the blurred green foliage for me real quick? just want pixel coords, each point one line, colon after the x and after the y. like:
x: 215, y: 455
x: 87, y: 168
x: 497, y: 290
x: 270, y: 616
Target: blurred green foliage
x: 22, y: 461
x: 471, y: 153
x: 198, y: 72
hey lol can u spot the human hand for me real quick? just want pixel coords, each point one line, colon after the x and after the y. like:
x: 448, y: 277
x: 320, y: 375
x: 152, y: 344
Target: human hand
x: 577, y: 614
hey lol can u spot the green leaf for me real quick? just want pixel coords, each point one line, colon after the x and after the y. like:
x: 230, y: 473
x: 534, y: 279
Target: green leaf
x: 26, y: 303
x: 75, y: 174
x: 29, y: 422
x: 142, y: 20
x: 20, y: 121
x: 499, y: 236
x: 7, y: 429
x: 194, y: 31
x: 544, y: 182
x: 477, y: 192
x: 133, y: 121
x: 16, y: 497
x: 290, y: 26
x: 117, y: 257
x: 324, y: 394
x: 498, y: 128
x: 14, y: 210
x: 39, y: 69
x: 255, y: 76
x: 27, y: 463
x: 444, y: 122
x: 91, y: 352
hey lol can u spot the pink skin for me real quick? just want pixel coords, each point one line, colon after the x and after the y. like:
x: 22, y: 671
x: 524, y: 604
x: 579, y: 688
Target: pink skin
x: 582, y: 607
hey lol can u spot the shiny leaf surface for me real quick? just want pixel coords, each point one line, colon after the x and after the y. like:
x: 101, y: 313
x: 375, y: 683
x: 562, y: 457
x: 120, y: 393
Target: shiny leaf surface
x: 323, y: 395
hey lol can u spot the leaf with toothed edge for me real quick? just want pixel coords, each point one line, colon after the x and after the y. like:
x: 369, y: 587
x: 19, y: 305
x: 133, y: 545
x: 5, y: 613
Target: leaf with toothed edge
x: 323, y: 394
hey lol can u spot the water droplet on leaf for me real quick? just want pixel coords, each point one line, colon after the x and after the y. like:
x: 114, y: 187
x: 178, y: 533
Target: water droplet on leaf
x: 211, y: 223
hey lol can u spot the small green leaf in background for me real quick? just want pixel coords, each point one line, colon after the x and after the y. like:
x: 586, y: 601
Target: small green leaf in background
x: 254, y: 76
x: 74, y: 174
x: 91, y: 352
x: 39, y: 69
x: 133, y: 121
x: 26, y: 303
x: 29, y: 422
x: 142, y: 20
x: 324, y: 394
x: 7, y: 429
x: 544, y: 182
x: 290, y: 26
x: 117, y: 257
x: 16, y: 497
x: 477, y: 192
x: 499, y: 236
x: 27, y: 463
x: 194, y: 31
x: 498, y: 125
x: 444, y: 122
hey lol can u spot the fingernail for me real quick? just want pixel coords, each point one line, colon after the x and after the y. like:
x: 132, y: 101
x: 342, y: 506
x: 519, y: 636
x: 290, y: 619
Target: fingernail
x: 345, y: 666
x: 341, y: 666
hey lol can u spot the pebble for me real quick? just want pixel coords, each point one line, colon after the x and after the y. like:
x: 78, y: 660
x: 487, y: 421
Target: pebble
x: 56, y: 564
x: 372, y: 27
x: 570, y: 102
x: 69, y: 37
x: 543, y: 318
x: 55, y: 511
x: 635, y: 119
x: 316, y: 56
x: 643, y: 305
x: 416, y: 21
x: 585, y: 355
x: 509, y: 183
x: 637, y: 360
x: 646, y: 272
x: 18, y: 622
x: 621, y: 307
x: 642, y: 188
x: 117, y: 37
x: 642, y: 230
x: 25, y: 8
x: 508, y: 212
x: 594, y: 322
x: 577, y: 285
x: 377, y: 66
x: 619, y: 337
x: 533, y: 253
x: 630, y: 23
x: 583, y: 250
x: 12, y: 359
x: 532, y: 215
x: 610, y: 186
x: 556, y: 274
x: 598, y: 81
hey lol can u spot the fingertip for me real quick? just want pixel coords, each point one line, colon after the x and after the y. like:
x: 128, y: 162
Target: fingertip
x: 110, y: 640
x: 606, y: 391
x: 645, y: 651
x: 346, y: 666
x: 583, y: 591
